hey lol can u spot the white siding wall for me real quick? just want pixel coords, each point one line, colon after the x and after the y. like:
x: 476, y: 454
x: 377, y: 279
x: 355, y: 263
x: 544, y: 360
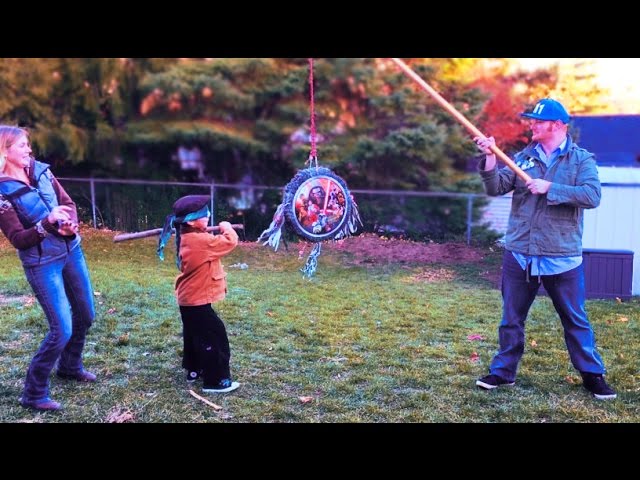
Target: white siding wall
x: 496, y: 213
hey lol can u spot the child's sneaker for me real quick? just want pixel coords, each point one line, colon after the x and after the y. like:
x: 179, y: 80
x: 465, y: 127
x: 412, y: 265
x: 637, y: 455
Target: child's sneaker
x: 223, y: 386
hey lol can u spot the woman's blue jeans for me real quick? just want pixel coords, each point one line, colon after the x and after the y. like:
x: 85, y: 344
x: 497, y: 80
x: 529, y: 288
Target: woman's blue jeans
x: 567, y: 292
x: 64, y: 291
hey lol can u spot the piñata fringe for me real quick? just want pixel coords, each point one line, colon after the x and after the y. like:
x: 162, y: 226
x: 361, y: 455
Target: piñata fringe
x: 312, y: 261
x: 271, y: 236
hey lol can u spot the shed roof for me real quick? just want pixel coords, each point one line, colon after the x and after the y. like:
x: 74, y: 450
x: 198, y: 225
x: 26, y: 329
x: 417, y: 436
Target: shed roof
x: 614, y: 139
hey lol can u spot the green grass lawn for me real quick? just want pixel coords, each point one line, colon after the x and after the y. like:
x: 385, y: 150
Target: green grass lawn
x: 363, y: 342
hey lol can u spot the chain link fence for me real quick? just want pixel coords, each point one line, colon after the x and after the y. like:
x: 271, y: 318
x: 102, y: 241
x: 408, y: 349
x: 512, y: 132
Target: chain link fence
x: 137, y: 205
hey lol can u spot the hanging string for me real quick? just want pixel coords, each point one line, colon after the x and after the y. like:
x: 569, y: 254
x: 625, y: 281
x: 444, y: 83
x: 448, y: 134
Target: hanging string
x: 313, y: 156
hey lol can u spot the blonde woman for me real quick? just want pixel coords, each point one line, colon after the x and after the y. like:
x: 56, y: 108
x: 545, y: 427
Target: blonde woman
x: 40, y: 220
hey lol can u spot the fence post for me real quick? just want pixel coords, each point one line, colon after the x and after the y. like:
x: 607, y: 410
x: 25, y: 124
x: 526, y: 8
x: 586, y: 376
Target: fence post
x: 93, y: 202
x: 212, y: 190
x: 469, y: 217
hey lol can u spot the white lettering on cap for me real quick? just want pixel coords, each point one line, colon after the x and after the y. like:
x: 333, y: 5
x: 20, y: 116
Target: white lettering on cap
x: 539, y: 107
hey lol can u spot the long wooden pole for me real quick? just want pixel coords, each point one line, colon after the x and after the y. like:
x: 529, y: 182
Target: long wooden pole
x: 157, y: 231
x: 459, y: 117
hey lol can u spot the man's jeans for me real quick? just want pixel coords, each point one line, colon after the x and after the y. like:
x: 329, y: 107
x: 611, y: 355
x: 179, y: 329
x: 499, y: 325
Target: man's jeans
x: 567, y: 292
x: 64, y: 291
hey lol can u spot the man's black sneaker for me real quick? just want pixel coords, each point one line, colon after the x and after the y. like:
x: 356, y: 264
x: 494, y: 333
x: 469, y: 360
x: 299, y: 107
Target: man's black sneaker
x: 489, y: 382
x: 596, y: 384
x: 223, y: 386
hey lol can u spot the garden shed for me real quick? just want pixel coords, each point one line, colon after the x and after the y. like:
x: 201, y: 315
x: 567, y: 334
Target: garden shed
x: 615, y: 224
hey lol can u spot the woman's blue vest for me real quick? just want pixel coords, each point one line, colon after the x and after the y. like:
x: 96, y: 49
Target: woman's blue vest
x: 33, y: 204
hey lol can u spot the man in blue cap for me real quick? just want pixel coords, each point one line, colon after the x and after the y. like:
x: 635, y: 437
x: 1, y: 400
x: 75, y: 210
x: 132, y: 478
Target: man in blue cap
x: 544, y: 243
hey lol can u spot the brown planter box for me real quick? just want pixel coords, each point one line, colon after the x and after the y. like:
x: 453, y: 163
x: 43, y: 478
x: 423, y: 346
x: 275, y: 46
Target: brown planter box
x: 607, y: 273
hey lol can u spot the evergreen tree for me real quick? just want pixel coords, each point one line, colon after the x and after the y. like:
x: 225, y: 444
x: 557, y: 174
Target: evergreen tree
x: 75, y: 109
x: 374, y: 127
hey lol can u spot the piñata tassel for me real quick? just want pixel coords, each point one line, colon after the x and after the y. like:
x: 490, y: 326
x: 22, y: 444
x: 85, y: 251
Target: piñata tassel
x: 312, y: 261
x: 271, y: 236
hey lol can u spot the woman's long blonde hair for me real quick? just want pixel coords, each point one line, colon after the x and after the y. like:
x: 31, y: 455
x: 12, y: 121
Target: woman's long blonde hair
x: 8, y: 136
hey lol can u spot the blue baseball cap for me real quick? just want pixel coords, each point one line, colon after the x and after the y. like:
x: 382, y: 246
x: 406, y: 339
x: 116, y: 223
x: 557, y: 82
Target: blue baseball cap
x: 548, y: 109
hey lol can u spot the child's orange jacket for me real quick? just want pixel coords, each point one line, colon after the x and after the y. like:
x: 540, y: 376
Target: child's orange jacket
x: 203, y: 279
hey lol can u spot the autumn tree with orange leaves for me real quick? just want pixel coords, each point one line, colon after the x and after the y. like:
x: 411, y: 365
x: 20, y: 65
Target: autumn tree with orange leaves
x: 509, y: 91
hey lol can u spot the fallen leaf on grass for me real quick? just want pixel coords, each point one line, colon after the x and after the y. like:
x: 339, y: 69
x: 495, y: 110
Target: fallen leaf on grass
x: 475, y: 336
x: 305, y: 399
x: 474, y: 357
x: 623, y: 319
x: 534, y: 343
x: 120, y: 415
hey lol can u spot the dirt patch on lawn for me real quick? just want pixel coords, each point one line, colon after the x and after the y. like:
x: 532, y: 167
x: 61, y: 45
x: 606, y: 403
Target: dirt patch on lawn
x: 433, y: 275
x: 371, y: 249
